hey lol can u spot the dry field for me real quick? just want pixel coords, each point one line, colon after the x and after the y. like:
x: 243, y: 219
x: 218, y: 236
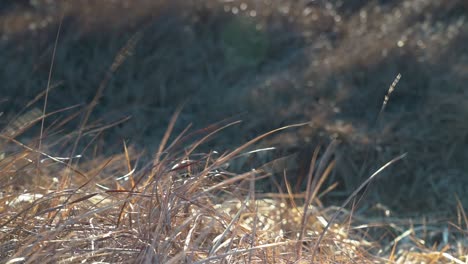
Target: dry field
x: 121, y: 139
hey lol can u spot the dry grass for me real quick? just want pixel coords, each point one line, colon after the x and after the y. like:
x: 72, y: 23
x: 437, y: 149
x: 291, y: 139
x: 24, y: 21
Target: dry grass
x: 71, y: 197
x: 185, y: 207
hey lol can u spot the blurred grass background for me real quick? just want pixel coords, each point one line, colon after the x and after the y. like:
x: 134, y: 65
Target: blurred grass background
x: 269, y: 63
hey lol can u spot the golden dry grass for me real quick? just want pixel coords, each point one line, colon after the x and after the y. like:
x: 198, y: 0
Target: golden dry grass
x: 184, y: 207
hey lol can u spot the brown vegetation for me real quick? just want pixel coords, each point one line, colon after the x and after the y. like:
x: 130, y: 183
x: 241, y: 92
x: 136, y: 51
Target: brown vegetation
x: 120, y: 69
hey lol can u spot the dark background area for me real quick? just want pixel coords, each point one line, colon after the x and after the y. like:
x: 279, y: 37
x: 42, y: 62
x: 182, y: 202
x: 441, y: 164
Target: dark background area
x: 267, y: 63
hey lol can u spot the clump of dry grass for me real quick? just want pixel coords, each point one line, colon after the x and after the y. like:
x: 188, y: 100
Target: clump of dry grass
x: 182, y: 207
